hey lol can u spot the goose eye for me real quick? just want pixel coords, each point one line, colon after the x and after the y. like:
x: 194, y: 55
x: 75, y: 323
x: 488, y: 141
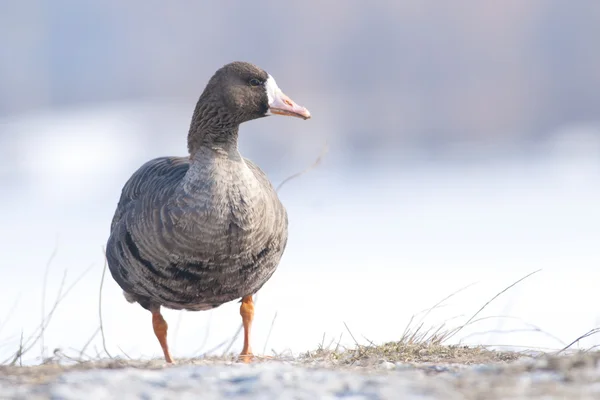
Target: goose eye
x: 254, y: 82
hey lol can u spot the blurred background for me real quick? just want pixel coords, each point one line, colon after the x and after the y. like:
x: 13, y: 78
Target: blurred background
x: 464, y: 148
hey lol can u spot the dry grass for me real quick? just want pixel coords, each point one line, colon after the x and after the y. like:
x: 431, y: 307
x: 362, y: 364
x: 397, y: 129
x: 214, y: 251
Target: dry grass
x: 410, y: 353
x: 364, y: 357
x: 418, y: 343
x: 59, y: 364
x: 27, y: 343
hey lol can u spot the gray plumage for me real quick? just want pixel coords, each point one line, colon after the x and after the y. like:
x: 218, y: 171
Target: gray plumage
x: 195, y: 232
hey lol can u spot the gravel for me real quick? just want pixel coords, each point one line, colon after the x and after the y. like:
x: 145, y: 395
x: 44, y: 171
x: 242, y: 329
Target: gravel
x: 573, y: 377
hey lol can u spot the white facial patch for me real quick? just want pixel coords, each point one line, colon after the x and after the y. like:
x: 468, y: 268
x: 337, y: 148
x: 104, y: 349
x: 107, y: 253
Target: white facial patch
x: 272, y: 89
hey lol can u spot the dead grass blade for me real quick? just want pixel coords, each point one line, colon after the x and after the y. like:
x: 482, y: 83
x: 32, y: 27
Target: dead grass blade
x: 217, y: 347
x: 20, y: 352
x: 322, y: 342
x: 233, y: 339
x: 307, y: 169
x: 100, y: 305
x: 10, y: 312
x: 176, y: 332
x: 269, y: 334
x: 44, y: 287
x: 501, y: 331
x: 206, y: 333
x: 337, y: 346
x: 533, y: 327
x: 439, y: 303
x: 34, y: 338
x: 85, y: 346
x: 410, y: 334
x: 488, y: 302
x: 124, y: 353
x: 585, y: 335
x: 351, y: 335
x: 421, y: 343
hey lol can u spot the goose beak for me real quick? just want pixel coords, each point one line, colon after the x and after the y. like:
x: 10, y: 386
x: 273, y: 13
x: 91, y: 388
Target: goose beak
x: 283, y: 105
x: 280, y: 104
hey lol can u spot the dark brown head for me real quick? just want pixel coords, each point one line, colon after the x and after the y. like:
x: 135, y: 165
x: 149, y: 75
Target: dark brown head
x: 236, y: 93
x: 247, y: 92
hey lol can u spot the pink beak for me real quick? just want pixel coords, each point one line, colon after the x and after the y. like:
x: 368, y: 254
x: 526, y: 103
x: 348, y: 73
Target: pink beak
x: 280, y: 104
x: 283, y: 105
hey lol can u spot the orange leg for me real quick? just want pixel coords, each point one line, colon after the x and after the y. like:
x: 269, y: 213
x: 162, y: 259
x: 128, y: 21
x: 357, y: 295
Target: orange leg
x: 247, y: 313
x: 160, y: 330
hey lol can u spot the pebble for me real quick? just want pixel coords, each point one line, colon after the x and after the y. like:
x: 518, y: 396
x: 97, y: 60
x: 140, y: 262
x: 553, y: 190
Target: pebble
x: 386, y: 365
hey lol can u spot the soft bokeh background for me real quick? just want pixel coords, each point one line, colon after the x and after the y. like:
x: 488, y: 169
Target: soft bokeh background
x: 464, y: 146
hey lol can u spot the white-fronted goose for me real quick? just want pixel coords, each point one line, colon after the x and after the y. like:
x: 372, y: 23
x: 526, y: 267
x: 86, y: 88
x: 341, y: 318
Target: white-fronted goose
x: 196, y: 232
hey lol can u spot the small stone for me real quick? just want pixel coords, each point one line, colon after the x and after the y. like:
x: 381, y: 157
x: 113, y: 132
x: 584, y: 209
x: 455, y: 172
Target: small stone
x: 386, y: 365
x: 405, y: 366
x: 438, y: 368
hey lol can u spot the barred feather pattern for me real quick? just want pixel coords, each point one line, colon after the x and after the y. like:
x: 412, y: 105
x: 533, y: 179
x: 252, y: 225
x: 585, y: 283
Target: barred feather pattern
x: 196, y: 232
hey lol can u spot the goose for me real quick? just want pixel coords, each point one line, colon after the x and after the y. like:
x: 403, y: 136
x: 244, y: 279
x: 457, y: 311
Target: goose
x: 192, y: 233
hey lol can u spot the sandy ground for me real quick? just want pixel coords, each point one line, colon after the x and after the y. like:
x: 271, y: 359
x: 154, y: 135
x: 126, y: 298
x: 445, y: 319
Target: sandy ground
x: 317, y: 375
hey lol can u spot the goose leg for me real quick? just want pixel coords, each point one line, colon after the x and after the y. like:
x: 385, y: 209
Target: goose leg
x: 160, y: 330
x: 247, y: 313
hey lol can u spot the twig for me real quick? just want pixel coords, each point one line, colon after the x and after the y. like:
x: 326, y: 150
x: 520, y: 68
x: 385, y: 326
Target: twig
x: 100, y: 306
